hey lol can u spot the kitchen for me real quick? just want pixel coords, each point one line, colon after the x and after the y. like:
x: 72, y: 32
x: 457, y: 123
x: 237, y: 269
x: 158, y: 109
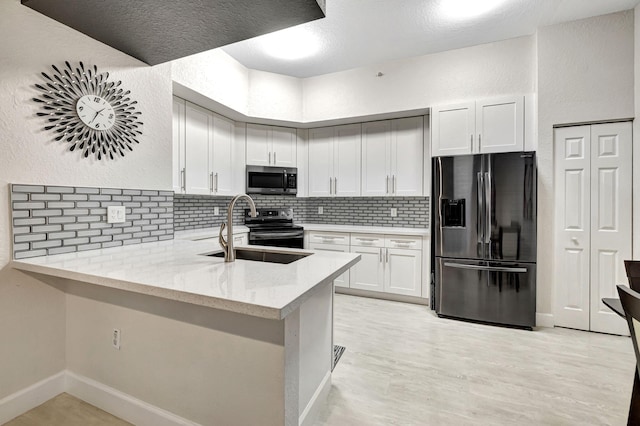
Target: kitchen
x: 555, y: 64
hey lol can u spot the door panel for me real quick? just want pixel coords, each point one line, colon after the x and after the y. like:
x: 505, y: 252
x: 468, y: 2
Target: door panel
x: 179, y: 144
x: 222, y: 155
x: 376, y: 161
x: 320, y: 161
x: 197, y: 150
x: 572, y: 247
x: 500, y: 124
x: 368, y: 274
x: 457, y: 185
x: 611, y: 241
x: 406, y: 156
x: 453, y: 129
x: 346, y: 160
x: 342, y: 280
x: 510, y: 182
x: 258, y: 145
x: 403, y: 272
x: 283, y: 141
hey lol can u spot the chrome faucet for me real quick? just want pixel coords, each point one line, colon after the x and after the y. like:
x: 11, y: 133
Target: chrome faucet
x: 227, y: 244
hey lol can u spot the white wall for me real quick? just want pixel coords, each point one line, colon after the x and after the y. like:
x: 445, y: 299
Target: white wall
x: 32, y: 314
x: 493, y: 69
x: 585, y: 73
x: 636, y: 135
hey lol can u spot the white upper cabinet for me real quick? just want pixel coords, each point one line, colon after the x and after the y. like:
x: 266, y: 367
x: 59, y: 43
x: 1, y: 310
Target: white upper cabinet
x: 179, y: 145
x: 203, y: 151
x: 221, y: 162
x: 392, y: 157
x: 197, y: 150
x: 334, y: 161
x: 271, y: 146
x: 485, y: 126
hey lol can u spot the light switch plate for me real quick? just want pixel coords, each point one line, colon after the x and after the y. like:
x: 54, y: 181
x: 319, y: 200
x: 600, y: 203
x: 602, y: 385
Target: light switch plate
x: 116, y: 214
x: 320, y: 210
x: 394, y: 212
x: 216, y: 211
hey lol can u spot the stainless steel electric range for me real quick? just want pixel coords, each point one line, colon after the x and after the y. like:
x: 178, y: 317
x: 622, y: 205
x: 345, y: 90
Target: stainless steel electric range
x: 274, y: 227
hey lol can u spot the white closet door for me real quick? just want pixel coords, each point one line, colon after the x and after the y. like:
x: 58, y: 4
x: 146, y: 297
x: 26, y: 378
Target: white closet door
x: 572, y: 226
x: 611, y: 220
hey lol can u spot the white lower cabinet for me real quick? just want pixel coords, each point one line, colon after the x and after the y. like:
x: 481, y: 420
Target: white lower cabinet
x: 342, y: 280
x: 241, y: 239
x: 390, y: 264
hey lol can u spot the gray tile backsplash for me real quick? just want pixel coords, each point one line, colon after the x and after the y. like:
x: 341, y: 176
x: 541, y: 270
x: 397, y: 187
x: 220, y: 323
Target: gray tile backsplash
x: 61, y: 219
x: 196, y: 211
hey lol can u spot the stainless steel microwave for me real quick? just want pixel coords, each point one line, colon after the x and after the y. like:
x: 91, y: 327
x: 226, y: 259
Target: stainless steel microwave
x: 272, y: 180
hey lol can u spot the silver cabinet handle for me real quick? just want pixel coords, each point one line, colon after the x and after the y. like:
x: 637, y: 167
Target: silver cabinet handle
x: 183, y: 179
x: 211, y: 181
x: 380, y: 256
x: 387, y: 184
x: 335, y: 186
x: 269, y: 157
x: 479, y: 142
x: 274, y: 157
x: 393, y: 184
x: 387, y: 250
x: 216, y: 183
x: 366, y: 239
x: 486, y: 268
x: 330, y: 186
x: 471, y: 143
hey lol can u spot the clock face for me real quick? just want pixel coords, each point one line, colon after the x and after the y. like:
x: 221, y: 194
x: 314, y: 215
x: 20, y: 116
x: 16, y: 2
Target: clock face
x: 95, y: 112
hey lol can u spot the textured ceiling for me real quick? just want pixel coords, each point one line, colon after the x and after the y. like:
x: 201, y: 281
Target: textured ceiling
x: 157, y: 31
x: 358, y: 33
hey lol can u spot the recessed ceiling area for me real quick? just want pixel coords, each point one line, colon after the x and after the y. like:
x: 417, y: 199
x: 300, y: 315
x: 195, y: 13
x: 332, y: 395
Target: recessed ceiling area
x: 157, y: 31
x: 359, y: 33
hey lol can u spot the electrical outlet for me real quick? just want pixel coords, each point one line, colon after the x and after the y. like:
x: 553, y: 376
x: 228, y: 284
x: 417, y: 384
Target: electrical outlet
x: 116, y: 214
x: 394, y: 212
x: 216, y: 211
x: 115, y: 339
x: 320, y: 210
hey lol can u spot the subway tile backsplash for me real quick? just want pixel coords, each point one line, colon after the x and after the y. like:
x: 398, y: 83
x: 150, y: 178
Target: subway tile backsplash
x: 61, y: 219
x: 196, y: 211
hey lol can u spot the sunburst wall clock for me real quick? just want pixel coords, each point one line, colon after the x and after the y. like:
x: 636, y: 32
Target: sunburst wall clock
x: 93, y: 115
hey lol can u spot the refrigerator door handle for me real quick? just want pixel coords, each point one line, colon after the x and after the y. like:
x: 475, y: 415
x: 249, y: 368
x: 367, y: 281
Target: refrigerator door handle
x: 486, y: 268
x: 479, y: 197
x: 488, y: 203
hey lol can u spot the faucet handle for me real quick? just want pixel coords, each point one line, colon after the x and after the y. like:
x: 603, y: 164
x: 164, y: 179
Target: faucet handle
x: 221, y: 239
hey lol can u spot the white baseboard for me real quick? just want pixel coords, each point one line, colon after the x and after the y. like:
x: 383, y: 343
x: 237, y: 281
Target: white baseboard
x: 24, y: 400
x: 104, y: 397
x: 120, y: 404
x: 310, y: 413
x: 544, y: 320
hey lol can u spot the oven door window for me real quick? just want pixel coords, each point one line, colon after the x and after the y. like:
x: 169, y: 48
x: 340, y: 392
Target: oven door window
x: 266, y: 180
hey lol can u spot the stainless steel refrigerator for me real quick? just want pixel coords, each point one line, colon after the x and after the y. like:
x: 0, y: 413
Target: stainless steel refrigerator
x: 484, y: 218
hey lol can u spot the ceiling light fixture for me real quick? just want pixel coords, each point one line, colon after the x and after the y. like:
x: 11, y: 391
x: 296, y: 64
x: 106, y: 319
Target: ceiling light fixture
x: 466, y: 9
x: 291, y: 43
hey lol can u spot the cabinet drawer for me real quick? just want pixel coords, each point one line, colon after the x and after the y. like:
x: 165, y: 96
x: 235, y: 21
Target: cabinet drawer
x: 406, y: 242
x: 367, y: 240
x: 328, y: 238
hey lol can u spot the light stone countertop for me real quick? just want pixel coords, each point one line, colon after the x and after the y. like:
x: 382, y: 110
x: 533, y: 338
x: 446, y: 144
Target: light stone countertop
x: 364, y: 229
x: 205, y: 233
x: 176, y: 270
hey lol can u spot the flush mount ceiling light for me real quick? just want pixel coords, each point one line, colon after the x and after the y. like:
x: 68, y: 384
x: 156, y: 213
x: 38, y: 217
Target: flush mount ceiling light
x: 291, y: 44
x: 467, y: 9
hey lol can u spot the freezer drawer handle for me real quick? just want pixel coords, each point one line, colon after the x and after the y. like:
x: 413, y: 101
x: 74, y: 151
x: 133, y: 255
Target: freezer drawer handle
x: 486, y: 268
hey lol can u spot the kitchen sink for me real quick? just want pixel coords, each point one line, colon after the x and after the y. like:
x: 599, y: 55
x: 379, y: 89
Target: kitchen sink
x: 264, y: 255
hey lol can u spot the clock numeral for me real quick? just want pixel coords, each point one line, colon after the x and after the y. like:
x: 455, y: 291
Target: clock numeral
x: 97, y: 125
x: 96, y: 99
x: 110, y: 116
x: 80, y: 108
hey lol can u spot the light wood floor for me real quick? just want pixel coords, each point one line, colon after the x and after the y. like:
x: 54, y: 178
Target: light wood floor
x: 405, y: 366
x: 65, y: 410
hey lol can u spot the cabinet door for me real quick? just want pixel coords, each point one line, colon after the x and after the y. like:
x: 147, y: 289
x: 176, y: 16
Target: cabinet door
x: 342, y: 280
x: 197, y: 150
x: 403, y: 272
x: 368, y: 274
x: 321, y: 162
x: 258, y: 149
x: 283, y: 147
x: 346, y: 161
x: 179, y: 147
x: 500, y: 124
x: 376, y: 161
x: 453, y: 131
x: 222, y: 155
x: 407, y: 156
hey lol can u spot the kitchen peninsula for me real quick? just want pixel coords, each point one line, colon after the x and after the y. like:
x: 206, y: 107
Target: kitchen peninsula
x: 246, y: 342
